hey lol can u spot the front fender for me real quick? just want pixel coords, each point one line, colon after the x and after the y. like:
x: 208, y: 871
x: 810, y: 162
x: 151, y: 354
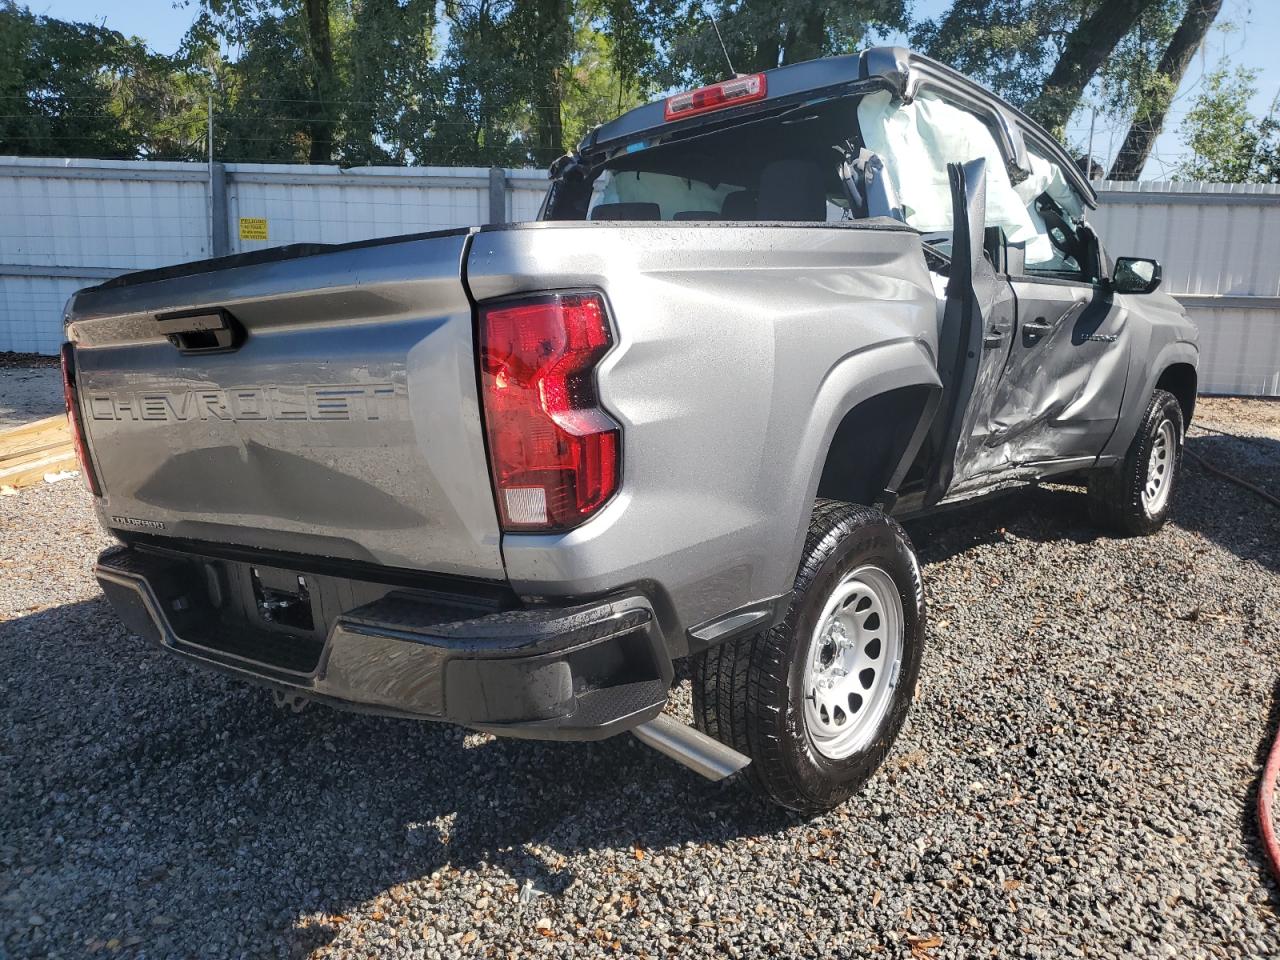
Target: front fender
x: 1142, y: 381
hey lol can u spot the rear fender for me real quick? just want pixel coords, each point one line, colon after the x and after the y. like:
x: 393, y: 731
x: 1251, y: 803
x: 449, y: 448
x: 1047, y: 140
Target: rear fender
x: 853, y: 381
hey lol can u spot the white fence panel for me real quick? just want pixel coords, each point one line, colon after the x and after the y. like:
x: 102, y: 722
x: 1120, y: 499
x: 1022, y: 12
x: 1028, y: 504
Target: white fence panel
x: 68, y: 223
x: 65, y: 224
x: 91, y: 213
x: 330, y: 205
x: 1219, y: 245
x: 524, y: 199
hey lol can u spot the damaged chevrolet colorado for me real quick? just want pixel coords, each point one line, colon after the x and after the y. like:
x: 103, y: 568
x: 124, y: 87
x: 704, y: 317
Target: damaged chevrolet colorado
x: 507, y: 476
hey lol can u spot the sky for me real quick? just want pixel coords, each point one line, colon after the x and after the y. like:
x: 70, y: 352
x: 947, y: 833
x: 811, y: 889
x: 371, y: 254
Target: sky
x: 162, y: 24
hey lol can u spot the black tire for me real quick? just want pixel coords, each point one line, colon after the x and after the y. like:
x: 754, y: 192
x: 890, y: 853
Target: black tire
x: 747, y: 692
x: 1116, y: 501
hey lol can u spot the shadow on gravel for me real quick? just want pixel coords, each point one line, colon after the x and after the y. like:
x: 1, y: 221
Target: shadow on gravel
x: 1038, y: 514
x: 1230, y: 516
x: 176, y: 793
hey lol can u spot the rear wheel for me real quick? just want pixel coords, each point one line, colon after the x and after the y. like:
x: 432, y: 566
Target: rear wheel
x: 1135, y: 497
x: 817, y: 701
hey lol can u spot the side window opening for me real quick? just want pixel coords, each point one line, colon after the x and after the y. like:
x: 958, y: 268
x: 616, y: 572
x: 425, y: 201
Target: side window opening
x: 917, y: 140
x: 1060, y: 247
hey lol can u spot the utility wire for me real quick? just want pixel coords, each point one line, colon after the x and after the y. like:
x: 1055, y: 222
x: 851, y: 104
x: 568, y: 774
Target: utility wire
x: 1226, y: 475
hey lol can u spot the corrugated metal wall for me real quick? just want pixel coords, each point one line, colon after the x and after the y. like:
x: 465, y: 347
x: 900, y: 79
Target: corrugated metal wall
x: 68, y: 223
x: 1219, y: 245
x: 65, y: 224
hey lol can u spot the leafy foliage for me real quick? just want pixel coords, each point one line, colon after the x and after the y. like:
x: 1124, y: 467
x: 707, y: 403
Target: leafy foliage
x: 762, y: 34
x: 515, y: 82
x: 76, y: 88
x: 1228, y: 143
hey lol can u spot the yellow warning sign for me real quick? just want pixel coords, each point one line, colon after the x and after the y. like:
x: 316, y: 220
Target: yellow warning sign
x: 253, y: 228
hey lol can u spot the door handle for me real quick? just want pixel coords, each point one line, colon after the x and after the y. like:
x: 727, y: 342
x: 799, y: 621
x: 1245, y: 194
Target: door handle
x: 201, y: 331
x: 995, y: 335
x: 1037, y: 327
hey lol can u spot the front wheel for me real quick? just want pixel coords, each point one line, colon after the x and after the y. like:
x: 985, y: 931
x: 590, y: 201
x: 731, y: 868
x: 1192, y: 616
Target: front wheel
x: 1135, y: 497
x: 817, y: 701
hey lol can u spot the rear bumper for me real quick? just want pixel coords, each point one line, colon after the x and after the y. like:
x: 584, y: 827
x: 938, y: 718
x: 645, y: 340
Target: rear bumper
x: 584, y: 671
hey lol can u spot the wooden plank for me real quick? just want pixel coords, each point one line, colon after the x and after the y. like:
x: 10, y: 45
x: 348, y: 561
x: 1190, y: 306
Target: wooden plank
x: 32, y: 436
x: 35, y: 426
x: 44, y: 460
x: 31, y: 474
x: 9, y: 461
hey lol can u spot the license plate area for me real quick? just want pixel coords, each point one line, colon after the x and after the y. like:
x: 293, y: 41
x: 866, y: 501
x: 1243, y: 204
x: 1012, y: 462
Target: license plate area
x: 282, y: 597
x: 275, y: 620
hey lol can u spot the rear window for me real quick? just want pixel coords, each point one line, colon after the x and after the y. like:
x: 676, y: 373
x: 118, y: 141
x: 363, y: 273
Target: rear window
x: 783, y: 167
x: 643, y: 190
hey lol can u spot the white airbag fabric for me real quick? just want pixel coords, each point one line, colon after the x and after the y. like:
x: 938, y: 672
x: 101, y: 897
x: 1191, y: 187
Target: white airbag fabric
x: 1046, y: 177
x: 917, y: 140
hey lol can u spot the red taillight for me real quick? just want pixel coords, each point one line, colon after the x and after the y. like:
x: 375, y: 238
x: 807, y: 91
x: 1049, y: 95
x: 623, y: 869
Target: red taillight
x: 726, y: 93
x: 553, y: 451
x: 70, y: 395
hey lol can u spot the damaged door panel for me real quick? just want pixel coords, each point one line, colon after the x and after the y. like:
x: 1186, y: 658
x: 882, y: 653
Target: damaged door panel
x: 973, y: 339
x: 1060, y: 394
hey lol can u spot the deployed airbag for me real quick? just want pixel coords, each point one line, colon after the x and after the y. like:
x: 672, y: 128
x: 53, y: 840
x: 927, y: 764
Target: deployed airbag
x: 917, y: 140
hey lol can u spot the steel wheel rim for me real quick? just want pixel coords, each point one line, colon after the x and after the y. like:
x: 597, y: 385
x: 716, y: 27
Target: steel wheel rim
x: 852, y: 663
x: 1155, y: 492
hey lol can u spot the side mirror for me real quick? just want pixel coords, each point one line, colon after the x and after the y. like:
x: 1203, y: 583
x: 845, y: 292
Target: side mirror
x: 1135, y: 275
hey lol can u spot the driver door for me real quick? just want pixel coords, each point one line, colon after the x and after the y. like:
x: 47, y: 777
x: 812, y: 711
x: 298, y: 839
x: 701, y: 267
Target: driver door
x: 973, y: 343
x: 1059, y: 394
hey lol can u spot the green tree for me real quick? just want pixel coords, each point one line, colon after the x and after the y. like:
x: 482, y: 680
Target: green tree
x: 1043, y: 54
x: 1008, y: 44
x: 279, y: 98
x: 763, y: 34
x: 542, y: 36
x: 476, y: 112
x: 58, y: 83
x: 1158, y: 87
x: 521, y: 80
x: 1228, y: 143
x: 596, y: 87
x: 390, y: 78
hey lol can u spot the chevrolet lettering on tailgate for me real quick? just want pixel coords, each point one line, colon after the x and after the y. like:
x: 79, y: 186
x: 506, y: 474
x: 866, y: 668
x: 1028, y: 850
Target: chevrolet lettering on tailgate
x: 370, y: 401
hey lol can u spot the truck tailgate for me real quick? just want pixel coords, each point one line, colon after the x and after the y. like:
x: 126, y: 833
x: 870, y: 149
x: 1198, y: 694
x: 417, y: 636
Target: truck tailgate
x: 345, y: 422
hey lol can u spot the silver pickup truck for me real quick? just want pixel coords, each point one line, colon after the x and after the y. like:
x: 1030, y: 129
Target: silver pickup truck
x: 507, y: 476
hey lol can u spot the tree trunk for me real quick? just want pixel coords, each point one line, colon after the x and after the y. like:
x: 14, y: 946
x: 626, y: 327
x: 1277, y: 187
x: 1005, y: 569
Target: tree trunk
x: 554, y: 37
x: 1147, y: 125
x: 1087, y: 49
x: 550, y: 118
x: 322, y: 81
x: 809, y: 41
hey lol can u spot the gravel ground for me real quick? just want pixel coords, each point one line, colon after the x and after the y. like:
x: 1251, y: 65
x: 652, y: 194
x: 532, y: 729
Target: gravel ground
x: 1077, y: 778
x: 29, y: 389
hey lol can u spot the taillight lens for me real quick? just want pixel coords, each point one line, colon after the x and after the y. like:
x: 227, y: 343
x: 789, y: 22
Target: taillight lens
x: 718, y: 96
x: 71, y: 396
x: 554, y: 453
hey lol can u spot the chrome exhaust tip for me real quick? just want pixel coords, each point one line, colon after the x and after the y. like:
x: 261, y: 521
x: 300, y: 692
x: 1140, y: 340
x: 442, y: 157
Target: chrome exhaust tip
x: 702, y: 754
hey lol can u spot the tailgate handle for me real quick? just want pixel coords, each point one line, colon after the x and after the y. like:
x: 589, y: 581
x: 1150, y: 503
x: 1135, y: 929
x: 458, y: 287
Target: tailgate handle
x: 201, y: 331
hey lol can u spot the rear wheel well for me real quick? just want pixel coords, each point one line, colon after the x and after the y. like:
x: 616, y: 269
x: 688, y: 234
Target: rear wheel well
x: 869, y: 443
x: 1180, y: 380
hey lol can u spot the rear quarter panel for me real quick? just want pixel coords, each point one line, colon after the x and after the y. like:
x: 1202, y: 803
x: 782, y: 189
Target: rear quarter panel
x: 738, y: 350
